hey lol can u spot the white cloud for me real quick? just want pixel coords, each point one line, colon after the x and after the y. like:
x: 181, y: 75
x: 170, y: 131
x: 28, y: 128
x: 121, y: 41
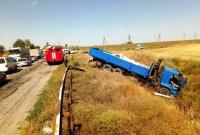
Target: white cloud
x: 34, y: 3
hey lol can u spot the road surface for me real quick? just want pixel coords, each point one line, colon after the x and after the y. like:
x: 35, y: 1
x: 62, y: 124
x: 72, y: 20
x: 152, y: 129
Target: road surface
x: 18, y: 96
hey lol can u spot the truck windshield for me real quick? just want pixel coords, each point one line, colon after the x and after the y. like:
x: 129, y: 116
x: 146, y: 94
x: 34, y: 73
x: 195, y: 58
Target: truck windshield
x: 2, y: 60
x: 16, y: 51
x: 23, y: 59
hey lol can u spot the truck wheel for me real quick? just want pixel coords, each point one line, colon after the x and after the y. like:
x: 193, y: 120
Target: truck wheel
x: 107, y: 67
x: 118, y: 70
x: 164, y: 91
x: 5, y: 78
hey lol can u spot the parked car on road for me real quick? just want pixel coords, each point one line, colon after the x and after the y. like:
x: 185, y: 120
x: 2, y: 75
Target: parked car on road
x: 7, y: 64
x: 34, y: 58
x: 23, y: 62
x: 2, y: 77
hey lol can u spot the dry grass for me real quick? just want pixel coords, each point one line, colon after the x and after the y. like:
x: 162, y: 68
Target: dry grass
x: 45, y: 109
x: 111, y: 103
x: 109, y: 100
x: 150, y: 45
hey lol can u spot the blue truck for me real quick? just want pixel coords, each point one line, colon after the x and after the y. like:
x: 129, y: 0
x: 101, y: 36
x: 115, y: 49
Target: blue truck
x: 168, y: 81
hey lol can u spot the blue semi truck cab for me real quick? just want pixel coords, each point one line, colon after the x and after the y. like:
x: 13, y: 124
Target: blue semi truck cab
x: 164, y: 78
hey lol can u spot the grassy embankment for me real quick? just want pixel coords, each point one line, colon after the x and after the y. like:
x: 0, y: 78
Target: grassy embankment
x: 46, y: 107
x: 110, y: 103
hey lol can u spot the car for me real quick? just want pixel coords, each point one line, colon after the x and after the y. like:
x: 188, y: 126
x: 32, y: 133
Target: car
x: 7, y: 64
x: 2, y: 77
x: 33, y: 58
x: 23, y: 62
x: 139, y: 46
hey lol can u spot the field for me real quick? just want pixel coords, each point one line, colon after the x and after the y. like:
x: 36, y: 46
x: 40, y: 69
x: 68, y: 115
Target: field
x: 112, y: 101
x: 113, y: 104
x: 186, y: 52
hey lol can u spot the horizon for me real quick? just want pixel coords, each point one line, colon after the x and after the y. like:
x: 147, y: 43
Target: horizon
x: 86, y: 23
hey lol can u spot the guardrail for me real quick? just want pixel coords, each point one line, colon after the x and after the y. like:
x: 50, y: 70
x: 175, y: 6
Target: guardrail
x: 66, y: 88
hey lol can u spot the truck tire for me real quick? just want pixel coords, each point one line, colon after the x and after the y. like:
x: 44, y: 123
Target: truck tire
x: 164, y: 91
x: 15, y: 68
x: 107, y: 67
x: 98, y: 64
x: 118, y: 70
x: 5, y: 79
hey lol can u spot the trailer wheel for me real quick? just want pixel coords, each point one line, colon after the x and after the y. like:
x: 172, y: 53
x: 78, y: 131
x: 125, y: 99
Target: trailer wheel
x: 107, y: 67
x: 98, y: 64
x: 118, y: 70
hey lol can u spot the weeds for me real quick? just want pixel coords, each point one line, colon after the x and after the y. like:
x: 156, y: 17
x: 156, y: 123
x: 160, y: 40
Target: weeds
x: 45, y: 108
x: 110, y: 103
x: 112, y: 122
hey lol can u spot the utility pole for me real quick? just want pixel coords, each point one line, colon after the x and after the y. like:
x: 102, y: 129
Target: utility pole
x: 158, y: 40
x: 129, y: 40
x: 104, y: 42
x: 159, y: 37
x: 195, y: 36
x: 183, y: 41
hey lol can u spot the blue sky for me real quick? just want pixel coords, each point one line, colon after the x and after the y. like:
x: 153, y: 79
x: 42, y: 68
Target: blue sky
x: 85, y: 22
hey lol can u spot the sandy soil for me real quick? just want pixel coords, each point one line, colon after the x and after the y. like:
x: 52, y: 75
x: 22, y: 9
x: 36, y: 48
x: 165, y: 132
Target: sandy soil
x: 23, y: 93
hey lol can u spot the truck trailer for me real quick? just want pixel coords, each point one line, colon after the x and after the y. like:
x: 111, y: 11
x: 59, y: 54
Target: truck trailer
x: 168, y: 81
x: 35, y: 53
x: 19, y: 52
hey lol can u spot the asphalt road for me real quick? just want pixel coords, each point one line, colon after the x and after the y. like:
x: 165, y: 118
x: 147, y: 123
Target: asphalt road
x: 19, y: 93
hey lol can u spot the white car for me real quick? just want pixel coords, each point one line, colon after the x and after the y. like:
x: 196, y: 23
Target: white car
x: 23, y: 62
x: 7, y: 64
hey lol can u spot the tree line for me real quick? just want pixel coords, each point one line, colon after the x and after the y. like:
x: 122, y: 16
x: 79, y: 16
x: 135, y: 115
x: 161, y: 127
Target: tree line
x: 24, y: 43
x: 21, y: 43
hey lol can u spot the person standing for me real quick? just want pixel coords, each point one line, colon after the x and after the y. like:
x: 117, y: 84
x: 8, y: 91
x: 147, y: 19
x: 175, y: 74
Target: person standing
x: 65, y: 59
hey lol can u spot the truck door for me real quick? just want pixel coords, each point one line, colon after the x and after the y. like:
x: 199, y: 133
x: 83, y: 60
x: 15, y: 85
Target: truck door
x: 170, y: 79
x: 58, y: 54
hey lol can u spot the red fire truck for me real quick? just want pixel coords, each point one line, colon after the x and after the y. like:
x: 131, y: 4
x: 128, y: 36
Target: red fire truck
x: 54, y: 55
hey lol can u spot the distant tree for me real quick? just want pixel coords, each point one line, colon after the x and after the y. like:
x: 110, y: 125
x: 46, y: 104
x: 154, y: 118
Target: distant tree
x: 37, y: 47
x: 47, y: 44
x: 2, y: 48
x: 19, y: 43
x: 32, y: 46
x: 28, y: 43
